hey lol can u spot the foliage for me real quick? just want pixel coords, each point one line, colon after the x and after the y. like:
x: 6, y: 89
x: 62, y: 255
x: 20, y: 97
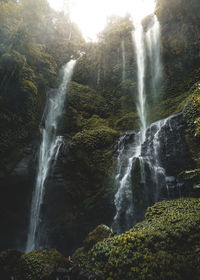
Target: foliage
x: 127, y: 122
x: 91, y: 140
x: 87, y: 100
x: 39, y: 265
x: 192, y: 116
x: 164, y: 246
x: 180, y: 49
x: 35, y: 42
x: 98, y: 234
x: 100, y: 66
x: 192, y: 110
x: 89, y: 169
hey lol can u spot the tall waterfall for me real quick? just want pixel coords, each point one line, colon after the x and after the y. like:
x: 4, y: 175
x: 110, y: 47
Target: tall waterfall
x: 132, y: 172
x: 48, y: 152
x: 138, y: 37
x: 153, y: 46
x: 123, y: 61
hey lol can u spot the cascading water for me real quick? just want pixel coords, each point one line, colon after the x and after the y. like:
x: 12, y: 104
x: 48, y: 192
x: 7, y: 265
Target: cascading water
x: 49, y: 150
x: 141, y: 57
x: 154, y: 51
x: 131, y: 179
x: 123, y: 61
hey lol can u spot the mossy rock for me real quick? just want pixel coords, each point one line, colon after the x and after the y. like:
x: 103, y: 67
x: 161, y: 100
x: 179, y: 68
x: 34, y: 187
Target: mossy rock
x: 128, y: 122
x: 192, y: 111
x: 12, y: 63
x: 90, y: 140
x: 88, y: 169
x: 190, y: 174
x: 39, y: 265
x: 98, y: 234
x: 29, y: 87
x: 92, y: 151
x: 95, y: 122
x: 164, y: 246
x: 85, y: 99
x: 192, y: 117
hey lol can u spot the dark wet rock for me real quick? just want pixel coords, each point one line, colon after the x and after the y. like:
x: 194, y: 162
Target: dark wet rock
x: 8, y: 261
x: 15, y: 198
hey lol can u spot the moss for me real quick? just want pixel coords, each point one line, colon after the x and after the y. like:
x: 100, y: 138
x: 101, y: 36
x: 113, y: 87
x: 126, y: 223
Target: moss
x: 12, y: 63
x: 89, y: 169
x: 127, y: 122
x: 169, y: 106
x: 89, y: 140
x: 98, y: 234
x: 86, y: 99
x: 95, y: 122
x: 192, y: 116
x: 38, y: 265
x: 29, y: 87
x: 164, y: 246
x: 190, y: 174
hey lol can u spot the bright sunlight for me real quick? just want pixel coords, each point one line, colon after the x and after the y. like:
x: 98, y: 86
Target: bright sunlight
x: 91, y: 15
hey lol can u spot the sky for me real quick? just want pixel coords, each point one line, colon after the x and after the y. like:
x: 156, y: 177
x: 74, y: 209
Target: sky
x: 91, y: 15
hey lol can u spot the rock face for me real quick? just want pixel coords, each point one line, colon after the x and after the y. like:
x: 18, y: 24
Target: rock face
x: 172, y: 152
x: 153, y: 175
x: 8, y: 262
x: 100, y: 105
x: 80, y: 190
x: 15, y: 199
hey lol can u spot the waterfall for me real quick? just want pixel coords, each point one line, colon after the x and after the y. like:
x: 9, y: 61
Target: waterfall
x: 123, y: 197
x: 138, y: 38
x: 48, y: 153
x: 123, y: 61
x: 137, y: 167
x: 153, y: 46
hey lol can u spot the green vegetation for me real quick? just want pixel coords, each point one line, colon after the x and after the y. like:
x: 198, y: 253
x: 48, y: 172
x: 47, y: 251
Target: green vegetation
x: 192, y: 116
x: 164, y: 246
x: 39, y: 265
x: 180, y: 48
x: 35, y: 42
x: 89, y: 172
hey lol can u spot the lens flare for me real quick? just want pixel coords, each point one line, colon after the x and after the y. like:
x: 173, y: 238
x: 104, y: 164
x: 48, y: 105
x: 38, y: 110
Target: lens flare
x: 91, y: 15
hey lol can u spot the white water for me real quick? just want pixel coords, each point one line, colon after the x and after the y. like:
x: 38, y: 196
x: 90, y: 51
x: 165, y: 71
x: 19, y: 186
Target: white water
x: 124, y: 198
x: 49, y: 149
x: 152, y: 156
x: 123, y: 61
x: 138, y: 37
x: 154, y: 51
x: 152, y: 174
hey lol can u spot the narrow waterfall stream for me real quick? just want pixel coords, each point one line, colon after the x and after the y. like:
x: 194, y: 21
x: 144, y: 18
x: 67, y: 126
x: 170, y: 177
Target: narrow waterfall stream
x: 132, y: 176
x: 138, y: 39
x: 123, y: 61
x: 49, y: 149
x: 154, y: 54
